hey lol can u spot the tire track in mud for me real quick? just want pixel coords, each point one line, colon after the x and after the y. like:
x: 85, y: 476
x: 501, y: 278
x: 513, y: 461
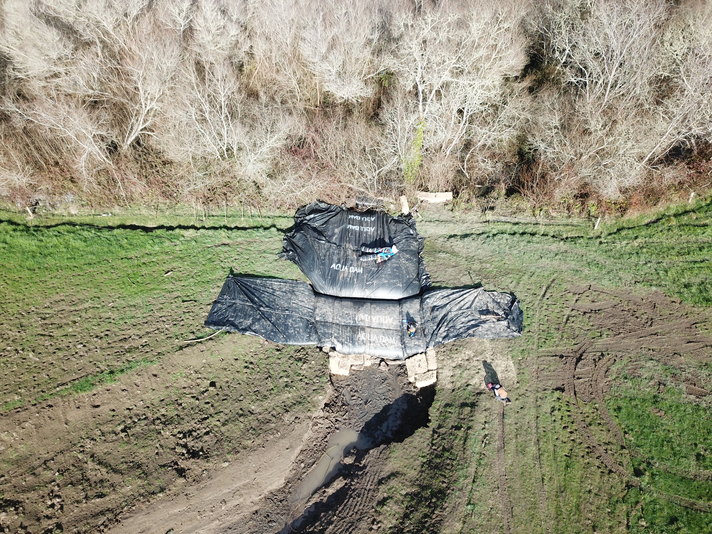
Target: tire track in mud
x: 586, y: 383
x: 685, y: 502
x: 601, y: 452
x: 346, y: 506
x: 362, y: 491
x: 598, y: 389
x: 502, y: 491
x: 543, y: 494
x: 656, y: 324
x: 380, y: 406
x: 475, y: 472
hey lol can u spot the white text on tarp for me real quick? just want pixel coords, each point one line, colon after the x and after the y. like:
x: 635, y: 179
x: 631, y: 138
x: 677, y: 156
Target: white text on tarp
x: 346, y: 268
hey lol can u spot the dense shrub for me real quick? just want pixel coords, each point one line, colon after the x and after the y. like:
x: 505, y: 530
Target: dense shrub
x: 274, y: 102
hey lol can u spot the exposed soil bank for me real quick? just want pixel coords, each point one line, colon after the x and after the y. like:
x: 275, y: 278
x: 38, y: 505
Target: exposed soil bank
x: 233, y: 490
x: 341, y: 464
x: 198, y: 427
x: 318, y: 477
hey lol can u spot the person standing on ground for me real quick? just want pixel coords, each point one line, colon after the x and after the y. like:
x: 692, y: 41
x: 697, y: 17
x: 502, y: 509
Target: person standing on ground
x: 499, y: 392
x: 492, y: 383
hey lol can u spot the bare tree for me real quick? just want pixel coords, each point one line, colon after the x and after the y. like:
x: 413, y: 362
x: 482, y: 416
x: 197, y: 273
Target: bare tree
x: 206, y: 119
x: 145, y: 71
x: 452, y: 63
x: 276, y: 71
x: 36, y: 56
x: 598, y: 129
x: 219, y: 30
x: 339, y: 47
x: 685, y: 114
x: 604, y: 48
x: 37, y: 100
x: 67, y: 122
x: 290, y: 98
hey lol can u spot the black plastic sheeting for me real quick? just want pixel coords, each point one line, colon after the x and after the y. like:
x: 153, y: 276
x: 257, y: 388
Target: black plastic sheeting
x: 458, y: 313
x: 279, y: 310
x: 290, y: 312
x: 347, y: 253
x: 374, y: 327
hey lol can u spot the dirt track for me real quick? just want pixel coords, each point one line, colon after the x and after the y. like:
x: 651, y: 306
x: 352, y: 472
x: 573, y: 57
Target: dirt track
x: 256, y: 492
x: 541, y: 486
x: 222, y: 436
x: 502, y: 490
x: 658, y: 326
x: 234, y: 492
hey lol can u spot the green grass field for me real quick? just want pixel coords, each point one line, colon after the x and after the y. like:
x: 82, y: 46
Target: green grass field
x: 104, y: 298
x: 556, y: 480
x: 622, y: 445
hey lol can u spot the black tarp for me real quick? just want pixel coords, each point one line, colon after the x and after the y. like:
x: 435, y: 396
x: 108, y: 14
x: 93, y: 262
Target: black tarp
x: 337, y: 249
x: 290, y: 312
x: 458, y: 313
x: 374, y: 327
x: 256, y: 306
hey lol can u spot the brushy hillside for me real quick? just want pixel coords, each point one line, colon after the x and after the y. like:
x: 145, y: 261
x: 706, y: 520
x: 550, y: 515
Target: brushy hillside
x: 585, y: 105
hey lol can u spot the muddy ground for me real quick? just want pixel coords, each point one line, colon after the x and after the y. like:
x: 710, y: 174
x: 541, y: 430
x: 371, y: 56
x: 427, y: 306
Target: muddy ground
x: 325, y: 476
x: 321, y: 471
x: 77, y: 462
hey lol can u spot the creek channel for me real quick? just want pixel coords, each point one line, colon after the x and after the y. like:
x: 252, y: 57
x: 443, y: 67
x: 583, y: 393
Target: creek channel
x: 369, y: 410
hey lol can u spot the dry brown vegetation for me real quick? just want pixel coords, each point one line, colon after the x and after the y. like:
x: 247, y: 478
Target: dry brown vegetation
x: 275, y: 102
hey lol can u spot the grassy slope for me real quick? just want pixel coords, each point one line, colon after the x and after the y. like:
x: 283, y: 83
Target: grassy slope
x: 105, y: 299
x: 94, y: 308
x: 555, y: 483
x: 89, y: 303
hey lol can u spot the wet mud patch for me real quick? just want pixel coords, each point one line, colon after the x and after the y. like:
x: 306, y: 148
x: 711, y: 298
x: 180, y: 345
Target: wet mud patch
x: 335, y: 480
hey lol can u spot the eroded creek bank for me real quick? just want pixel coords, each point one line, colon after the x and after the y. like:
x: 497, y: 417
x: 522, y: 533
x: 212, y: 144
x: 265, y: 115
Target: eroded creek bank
x: 320, y: 477
x: 334, y: 482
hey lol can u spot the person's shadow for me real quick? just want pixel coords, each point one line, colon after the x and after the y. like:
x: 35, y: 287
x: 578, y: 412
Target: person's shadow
x: 490, y: 374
